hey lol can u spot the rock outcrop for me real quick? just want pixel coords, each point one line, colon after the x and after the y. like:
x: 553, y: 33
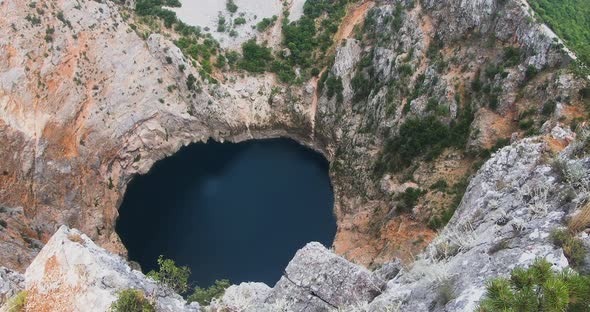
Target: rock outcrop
x: 72, y: 273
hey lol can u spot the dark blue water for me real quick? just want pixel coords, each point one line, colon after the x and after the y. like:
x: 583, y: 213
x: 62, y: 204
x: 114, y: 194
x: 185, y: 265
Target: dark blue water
x: 234, y: 211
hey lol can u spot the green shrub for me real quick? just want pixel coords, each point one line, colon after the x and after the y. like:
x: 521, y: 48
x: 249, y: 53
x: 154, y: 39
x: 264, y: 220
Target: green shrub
x: 334, y: 87
x: 265, y: 23
x: 303, y: 38
x: 548, y: 108
x: 526, y: 124
x: 512, y: 56
x: 315, y: 71
x: 416, y: 137
x: 537, y: 288
x: 256, y: 58
x: 204, y: 295
x: 284, y: 71
x: 440, y: 185
x: 171, y: 275
x: 231, y: 6
x: 360, y: 86
x: 408, y: 199
x: 573, y: 247
x: 530, y: 73
x: 190, y: 82
x: 438, y: 221
x: 232, y: 57
x: 406, y: 70
x: 239, y: 21
x: 476, y: 84
x: 132, y: 300
x: 220, y: 23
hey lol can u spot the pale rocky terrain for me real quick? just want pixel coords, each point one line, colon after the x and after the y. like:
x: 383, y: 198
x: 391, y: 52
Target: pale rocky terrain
x: 206, y: 13
x: 85, y: 106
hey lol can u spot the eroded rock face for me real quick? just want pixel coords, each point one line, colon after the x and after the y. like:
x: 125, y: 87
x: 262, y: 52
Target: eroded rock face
x: 85, y: 108
x: 71, y: 273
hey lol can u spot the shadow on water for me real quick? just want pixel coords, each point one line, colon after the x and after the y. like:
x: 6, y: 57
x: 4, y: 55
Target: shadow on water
x: 235, y: 211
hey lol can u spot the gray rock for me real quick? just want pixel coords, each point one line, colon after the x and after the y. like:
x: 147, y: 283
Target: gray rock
x: 389, y: 270
x: 318, y: 280
x: 11, y: 283
x: 74, y: 272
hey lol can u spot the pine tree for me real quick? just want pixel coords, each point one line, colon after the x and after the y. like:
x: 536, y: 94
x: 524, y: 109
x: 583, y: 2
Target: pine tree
x: 538, y: 288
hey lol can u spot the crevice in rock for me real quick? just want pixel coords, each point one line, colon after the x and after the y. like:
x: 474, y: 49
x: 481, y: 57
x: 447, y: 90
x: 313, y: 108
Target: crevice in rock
x: 311, y: 292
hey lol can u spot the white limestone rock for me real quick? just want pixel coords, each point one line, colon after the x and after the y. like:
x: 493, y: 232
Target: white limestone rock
x: 71, y: 273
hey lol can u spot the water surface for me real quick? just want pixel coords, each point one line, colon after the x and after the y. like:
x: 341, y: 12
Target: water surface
x: 235, y: 211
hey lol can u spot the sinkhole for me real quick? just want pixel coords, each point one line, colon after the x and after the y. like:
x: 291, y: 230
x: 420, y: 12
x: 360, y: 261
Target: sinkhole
x: 229, y: 211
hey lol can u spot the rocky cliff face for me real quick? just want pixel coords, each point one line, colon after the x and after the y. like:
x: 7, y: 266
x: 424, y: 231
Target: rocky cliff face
x: 86, y: 103
x: 505, y: 219
x: 444, y: 58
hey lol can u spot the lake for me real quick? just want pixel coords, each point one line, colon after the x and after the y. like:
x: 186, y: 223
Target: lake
x: 233, y: 211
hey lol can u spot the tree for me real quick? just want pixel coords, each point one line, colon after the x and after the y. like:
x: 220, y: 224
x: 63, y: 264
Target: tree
x: 231, y: 6
x: 204, y: 295
x: 171, y: 275
x: 256, y: 58
x: 538, y: 288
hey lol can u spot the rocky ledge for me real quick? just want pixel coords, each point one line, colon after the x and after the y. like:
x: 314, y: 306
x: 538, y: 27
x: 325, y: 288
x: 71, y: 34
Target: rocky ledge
x: 505, y: 219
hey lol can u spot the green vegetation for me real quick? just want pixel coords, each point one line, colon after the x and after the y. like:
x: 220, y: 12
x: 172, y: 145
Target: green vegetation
x: 220, y: 23
x: 334, y: 87
x: 204, y: 295
x: 132, y: 300
x: 201, y: 50
x: 231, y: 6
x: 154, y: 8
x: 265, y: 23
x: 191, y: 41
x: 569, y: 19
x: 171, y: 275
x: 177, y: 279
x: 255, y: 58
x: 538, y: 288
x: 363, y: 81
x: 426, y: 137
x: 49, y: 34
x: 18, y: 302
x: 302, y: 37
x: 239, y: 21
x: 409, y: 199
x: 573, y: 247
